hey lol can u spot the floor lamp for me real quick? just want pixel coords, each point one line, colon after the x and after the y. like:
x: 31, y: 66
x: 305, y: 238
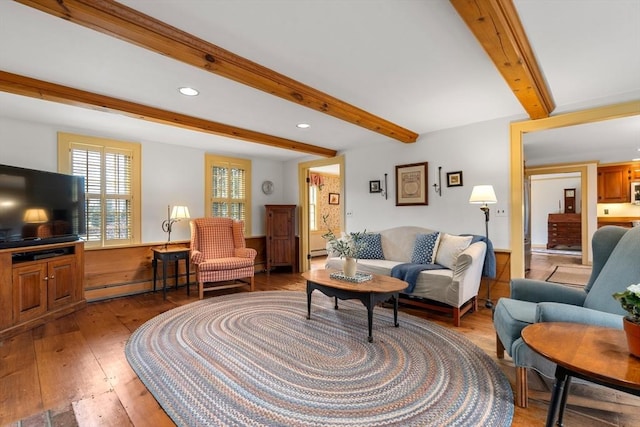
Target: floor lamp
x: 484, y: 195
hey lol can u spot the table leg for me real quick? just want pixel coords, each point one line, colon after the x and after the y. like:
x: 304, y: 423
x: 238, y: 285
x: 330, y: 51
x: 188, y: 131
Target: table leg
x: 335, y: 303
x: 370, y: 303
x: 177, y: 275
x: 558, y: 393
x: 563, y: 402
x: 154, y: 264
x: 188, y: 276
x: 395, y: 310
x: 164, y: 279
x: 309, y: 290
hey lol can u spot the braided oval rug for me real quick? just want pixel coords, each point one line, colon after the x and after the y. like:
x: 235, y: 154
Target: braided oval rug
x: 253, y: 359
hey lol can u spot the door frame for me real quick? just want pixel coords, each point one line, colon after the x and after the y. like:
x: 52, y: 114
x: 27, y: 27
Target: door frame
x: 303, y: 173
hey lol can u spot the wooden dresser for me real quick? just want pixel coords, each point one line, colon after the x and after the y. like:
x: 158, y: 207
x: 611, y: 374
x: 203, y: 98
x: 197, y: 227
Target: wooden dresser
x: 564, y: 230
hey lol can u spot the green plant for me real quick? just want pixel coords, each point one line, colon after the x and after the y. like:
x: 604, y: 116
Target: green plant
x: 347, y: 245
x: 630, y: 302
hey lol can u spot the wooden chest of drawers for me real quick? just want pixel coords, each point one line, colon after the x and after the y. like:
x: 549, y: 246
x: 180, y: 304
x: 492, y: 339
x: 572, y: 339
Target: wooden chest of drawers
x: 564, y: 230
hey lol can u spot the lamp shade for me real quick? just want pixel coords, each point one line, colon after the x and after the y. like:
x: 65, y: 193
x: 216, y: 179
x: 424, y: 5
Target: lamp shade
x: 180, y: 212
x: 483, y: 194
x: 35, y: 216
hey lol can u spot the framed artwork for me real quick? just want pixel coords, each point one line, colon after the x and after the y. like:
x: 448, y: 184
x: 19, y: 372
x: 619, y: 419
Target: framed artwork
x: 411, y: 184
x: 374, y: 187
x: 334, y: 198
x: 454, y: 179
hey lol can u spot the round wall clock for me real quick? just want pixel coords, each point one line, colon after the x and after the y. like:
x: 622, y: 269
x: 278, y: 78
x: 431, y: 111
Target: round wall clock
x: 267, y: 187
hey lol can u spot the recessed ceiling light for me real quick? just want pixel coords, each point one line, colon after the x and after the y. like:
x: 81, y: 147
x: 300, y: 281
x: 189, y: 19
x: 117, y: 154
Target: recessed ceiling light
x: 188, y: 91
x: 303, y: 125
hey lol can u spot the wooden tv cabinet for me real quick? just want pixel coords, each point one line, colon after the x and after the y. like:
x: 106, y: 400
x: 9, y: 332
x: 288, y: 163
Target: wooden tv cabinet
x: 39, y: 283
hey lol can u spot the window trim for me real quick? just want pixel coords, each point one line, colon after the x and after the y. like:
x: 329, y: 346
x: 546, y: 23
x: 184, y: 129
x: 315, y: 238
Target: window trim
x: 67, y: 140
x: 212, y: 160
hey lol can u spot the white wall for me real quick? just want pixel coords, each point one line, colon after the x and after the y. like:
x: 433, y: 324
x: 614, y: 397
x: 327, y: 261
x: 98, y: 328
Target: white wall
x: 480, y: 151
x: 171, y: 174
x: 547, y: 196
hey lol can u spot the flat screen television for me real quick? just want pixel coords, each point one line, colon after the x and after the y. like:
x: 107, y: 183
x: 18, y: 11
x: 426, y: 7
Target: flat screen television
x: 38, y: 207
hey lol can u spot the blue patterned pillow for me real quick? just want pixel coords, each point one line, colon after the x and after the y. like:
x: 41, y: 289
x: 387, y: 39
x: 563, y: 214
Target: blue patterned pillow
x: 372, y: 246
x: 424, y: 251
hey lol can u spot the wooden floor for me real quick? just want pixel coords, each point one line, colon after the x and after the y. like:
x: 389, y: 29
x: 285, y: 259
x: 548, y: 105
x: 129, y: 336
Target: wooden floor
x: 74, y: 368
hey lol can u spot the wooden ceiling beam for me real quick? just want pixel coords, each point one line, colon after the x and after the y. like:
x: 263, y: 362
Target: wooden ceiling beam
x: 142, y: 30
x: 496, y: 25
x: 26, y: 86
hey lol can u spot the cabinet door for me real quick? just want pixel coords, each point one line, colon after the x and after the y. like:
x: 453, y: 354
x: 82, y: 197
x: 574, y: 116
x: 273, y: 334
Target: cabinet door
x: 280, y: 236
x: 61, y: 283
x: 29, y: 291
x: 614, y: 184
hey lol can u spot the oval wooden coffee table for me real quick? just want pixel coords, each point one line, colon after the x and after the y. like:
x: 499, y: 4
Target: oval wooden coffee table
x: 370, y: 292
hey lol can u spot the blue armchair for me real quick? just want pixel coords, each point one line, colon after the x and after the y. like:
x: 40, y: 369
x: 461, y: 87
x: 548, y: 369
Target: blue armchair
x: 616, y: 265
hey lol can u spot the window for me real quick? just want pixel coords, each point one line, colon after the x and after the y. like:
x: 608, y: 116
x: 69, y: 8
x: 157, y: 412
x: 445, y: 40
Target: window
x: 228, y: 188
x: 111, y: 170
x: 313, y: 208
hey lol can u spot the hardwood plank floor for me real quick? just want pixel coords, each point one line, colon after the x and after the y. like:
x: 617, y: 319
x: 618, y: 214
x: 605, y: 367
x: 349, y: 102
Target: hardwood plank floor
x: 75, y: 367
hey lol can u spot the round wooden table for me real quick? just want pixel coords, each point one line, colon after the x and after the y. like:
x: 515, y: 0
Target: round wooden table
x: 593, y: 353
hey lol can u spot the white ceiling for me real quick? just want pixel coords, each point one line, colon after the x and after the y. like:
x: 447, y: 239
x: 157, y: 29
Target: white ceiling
x: 412, y: 62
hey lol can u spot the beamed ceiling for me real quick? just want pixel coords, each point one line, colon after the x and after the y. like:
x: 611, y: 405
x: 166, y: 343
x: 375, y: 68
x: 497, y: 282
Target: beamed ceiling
x: 376, y: 72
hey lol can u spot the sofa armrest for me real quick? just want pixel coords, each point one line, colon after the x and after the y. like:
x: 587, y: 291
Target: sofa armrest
x: 468, y: 271
x: 197, y: 257
x: 540, y: 291
x: 246, y: 253
x: 558, y: 312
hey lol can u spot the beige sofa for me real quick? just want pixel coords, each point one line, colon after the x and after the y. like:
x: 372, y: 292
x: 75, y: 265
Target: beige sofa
x: 451, y: 290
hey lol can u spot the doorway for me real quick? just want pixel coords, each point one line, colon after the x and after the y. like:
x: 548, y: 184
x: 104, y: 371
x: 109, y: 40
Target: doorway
x: 321, y: 184
x: 554, y: 179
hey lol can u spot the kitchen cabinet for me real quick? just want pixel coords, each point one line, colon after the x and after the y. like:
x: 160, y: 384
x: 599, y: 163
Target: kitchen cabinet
x: 614, y: 183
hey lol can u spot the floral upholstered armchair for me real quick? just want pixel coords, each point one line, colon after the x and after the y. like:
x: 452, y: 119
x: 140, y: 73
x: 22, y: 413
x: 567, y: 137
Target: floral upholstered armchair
x: 219, y: 253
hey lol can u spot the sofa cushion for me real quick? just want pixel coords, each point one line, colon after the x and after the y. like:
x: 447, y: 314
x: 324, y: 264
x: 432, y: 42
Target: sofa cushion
x: 372, y: 246
x: 450, y: 247
x: 424, y: 251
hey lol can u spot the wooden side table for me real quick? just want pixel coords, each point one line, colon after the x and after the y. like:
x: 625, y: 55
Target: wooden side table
x: 166, y: 255
x: 592, y: 353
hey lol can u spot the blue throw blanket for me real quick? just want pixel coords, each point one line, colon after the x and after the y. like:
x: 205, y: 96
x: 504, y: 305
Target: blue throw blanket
x: 489, y: 267
x: 409, y: 273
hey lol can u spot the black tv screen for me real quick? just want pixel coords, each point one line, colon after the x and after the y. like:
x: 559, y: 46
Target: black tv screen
x: 38, y: 207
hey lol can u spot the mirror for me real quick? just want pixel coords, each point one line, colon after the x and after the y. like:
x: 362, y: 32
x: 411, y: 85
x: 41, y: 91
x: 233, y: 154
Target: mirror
x: 518, y: 131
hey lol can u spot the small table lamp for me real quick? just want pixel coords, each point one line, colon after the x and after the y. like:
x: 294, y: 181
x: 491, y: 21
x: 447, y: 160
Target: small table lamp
x: 484, y: 195
x: 174, y: 215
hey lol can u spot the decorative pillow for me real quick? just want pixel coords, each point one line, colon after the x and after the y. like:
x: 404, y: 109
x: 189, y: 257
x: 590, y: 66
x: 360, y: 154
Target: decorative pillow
x: 371, y: 246
x: 450, y: 247
x: 424, y: 250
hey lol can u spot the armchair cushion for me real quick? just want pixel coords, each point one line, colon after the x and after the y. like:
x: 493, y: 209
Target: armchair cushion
x: 231, y: 263
x: 511, y: 316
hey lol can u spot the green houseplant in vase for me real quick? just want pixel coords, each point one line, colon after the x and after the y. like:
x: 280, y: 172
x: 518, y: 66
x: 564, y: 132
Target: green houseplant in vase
x: 347, y: 246
x: 630, y: 302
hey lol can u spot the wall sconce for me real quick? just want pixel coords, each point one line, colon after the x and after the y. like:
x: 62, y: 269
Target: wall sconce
x: 35, y: 216
x: 174, y: 215
x: 484, y: 195
x: 437, y: 185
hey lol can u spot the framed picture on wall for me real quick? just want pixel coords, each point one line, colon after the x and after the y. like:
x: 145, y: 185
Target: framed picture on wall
x: 411, y: 184
x: 374, y: 187
x: 454, y: 179
x: 334, y: 198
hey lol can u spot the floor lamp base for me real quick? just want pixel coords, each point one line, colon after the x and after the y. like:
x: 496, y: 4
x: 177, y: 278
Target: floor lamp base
x: 488, y: 304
